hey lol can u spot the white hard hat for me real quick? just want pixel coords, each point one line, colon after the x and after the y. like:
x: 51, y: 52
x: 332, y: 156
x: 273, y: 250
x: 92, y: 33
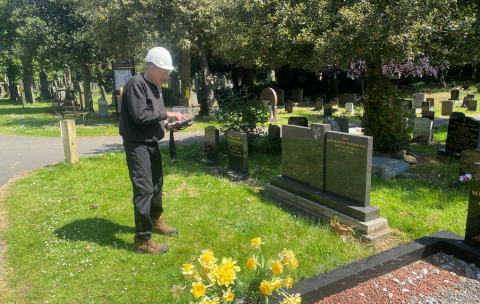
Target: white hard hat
x: 160, y: 57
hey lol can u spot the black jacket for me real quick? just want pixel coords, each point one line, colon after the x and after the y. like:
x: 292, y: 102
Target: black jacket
x: 143, y: 112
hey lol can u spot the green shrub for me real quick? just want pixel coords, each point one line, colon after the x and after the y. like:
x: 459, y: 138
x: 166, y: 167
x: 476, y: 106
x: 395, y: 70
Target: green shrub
x: 383, y: 119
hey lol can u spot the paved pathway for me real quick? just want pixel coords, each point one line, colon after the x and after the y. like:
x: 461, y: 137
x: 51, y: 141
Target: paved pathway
x: 21, y: 153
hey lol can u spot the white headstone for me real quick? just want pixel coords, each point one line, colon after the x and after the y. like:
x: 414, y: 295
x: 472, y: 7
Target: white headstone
x: 419, y: 98
x: 349, y: 107
x: 193, y: 98
x: 423, y: 127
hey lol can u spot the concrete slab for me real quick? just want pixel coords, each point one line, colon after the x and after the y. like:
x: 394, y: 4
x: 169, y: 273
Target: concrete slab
x: 384, y: 167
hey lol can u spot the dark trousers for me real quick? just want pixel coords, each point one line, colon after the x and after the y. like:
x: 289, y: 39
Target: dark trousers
x: 144, y: 163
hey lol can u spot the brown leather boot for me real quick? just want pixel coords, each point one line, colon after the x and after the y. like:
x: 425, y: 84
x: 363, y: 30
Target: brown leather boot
x: 159, y: 226
x: 142, y: 246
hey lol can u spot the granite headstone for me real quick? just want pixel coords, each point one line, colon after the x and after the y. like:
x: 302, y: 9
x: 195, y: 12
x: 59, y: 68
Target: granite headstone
x: 472, y: 231
x: 467, y: 159
x: 419, y: 98
x: 288, y: 106
x: 349, y: 108
x: 455, y: 94
x: 429, y: 114
x: 327, y: 109
x: 423, y: 127
x: 431, y: 101
x: 318, y: 104
x: 463, y: 134
x: 298, y: 121
x: 237, y: 151
x: 447, y: 107
x: 472, y: 105
x: 211, y: 141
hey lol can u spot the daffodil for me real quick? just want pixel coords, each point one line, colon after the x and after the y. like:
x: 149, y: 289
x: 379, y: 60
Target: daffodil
x: 252, y: 263
x: 276, y: 267
x: 266, y: 288
x: 292, y: 299
x: 288, y: 282
x: 225, y: 273
x: 198, y: 289
x: 256, y: 242
x: 291, y: 264
x: 286, y: 255
x: 176, y: 292
x: 228, y: 295
x: 206, y: 300
x: 207, y: 259
x: 189, y: 271
x: 276, y: 283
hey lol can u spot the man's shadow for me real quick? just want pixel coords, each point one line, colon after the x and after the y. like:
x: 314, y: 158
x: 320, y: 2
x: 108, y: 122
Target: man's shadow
x: 97, y: 230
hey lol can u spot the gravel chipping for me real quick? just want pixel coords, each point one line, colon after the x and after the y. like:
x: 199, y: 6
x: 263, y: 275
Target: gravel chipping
x: 439, y: 279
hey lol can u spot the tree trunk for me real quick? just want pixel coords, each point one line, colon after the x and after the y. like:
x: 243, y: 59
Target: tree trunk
x: 442, y: 79
x: 208, y: 100
x: 235, y: 79
x: 27, y: 64
x: 86, y: 85
x: 374, y: 73
x: 246, y: 76
x: 186, y: 79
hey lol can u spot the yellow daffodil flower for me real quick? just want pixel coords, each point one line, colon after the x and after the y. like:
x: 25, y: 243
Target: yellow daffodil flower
x: 225, y: 273
x: 198, y: 290
x: 256, y: 242
x: 291, y: 264
x: 252, y: 263
x: 276, y: 283
x: 228, y: 295
x: 176, y: 292
x: 286, y: 255
x: 276, y: 267
x: 292, y: 299
x: 189, y: 271
x: 207, y: 259
x: 266, y: 288
x: 288, y: 282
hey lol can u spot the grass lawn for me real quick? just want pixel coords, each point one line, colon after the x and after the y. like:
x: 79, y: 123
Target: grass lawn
x: 62, y: 251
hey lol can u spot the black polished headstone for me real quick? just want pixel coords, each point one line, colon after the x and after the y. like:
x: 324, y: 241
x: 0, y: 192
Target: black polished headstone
x: 349, y: 157
x: 457, y: 114
x: 467, y: 159
x: 429, y: 114
x: 463, y: 134
x: 303, y: 153
x: 472, y: 231
x: 237, y: 151
x: 298, y: 121
x: 455, y: 94
x: 327, y: 109
x: 211, y: 142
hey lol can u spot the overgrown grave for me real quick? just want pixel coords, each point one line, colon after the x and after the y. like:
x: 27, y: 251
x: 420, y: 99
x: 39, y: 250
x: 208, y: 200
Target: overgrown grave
x: 316, y: 163
x: 463, y: 133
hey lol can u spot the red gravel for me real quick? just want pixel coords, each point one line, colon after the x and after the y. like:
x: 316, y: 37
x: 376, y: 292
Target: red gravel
x: 373, y: 290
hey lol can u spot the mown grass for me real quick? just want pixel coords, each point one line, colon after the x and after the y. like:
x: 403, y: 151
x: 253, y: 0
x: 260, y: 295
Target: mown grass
x: 62, y: 251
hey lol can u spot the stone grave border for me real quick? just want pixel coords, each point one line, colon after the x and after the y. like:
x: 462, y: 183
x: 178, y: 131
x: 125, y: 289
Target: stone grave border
x: 343, y: 278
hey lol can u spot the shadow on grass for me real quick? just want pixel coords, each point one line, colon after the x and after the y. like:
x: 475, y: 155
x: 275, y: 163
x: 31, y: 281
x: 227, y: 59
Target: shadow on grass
x: 97, y: 230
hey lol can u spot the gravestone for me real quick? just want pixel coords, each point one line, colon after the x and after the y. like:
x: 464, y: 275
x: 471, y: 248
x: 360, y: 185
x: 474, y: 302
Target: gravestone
x: 274, y: 131
x: 338, y: 124
x: 288, y: 106
x: 349, y: 108
x: 334, y: 101
x: 466, y: 85
x: 102, y: 108
x: 419, y: 98
x: 44, y: 85
x: 269, y: 95
x: 455, y: 94
x: 327, y: 109
x: 429, y: 115
x: 303, y: 154
x: 280, y: 97
x: 463, y: 134
x: 457, y: 114
x: 298, y: 121
x: 448, y: 107
x: 472, y: 230
x: 211, y: 141
x: 471, y: 96
x: 237, y: 156
x: 297, y: 95
x: 423, y: 127
x: 318, y: 104
x: 467, y: 159
x: 193, y: 98
x: 425, y: 106
x: 465, y: 100
x: 472, y: 105
x: 349, y: 155
x: 431, y: 101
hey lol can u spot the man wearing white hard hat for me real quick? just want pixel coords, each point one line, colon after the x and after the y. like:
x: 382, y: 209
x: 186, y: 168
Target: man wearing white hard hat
x: 142, y: 125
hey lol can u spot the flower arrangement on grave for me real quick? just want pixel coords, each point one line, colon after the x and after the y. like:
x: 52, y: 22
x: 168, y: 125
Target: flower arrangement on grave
x: 204, y: 151
x: 465, y: 178
x: 334, y: 108
x: 217, y: 283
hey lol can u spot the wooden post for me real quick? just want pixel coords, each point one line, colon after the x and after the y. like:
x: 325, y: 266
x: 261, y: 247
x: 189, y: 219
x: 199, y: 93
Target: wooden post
x: 69, y: 140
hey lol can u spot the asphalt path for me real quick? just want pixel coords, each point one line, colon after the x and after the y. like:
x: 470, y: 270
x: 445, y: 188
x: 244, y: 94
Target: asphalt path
x: 21, y: 153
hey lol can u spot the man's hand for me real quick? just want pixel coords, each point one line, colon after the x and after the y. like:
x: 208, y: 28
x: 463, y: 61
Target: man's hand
x: 179, y: 117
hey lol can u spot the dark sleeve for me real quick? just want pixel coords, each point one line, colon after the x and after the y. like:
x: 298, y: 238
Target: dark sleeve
x: 140, y: 111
